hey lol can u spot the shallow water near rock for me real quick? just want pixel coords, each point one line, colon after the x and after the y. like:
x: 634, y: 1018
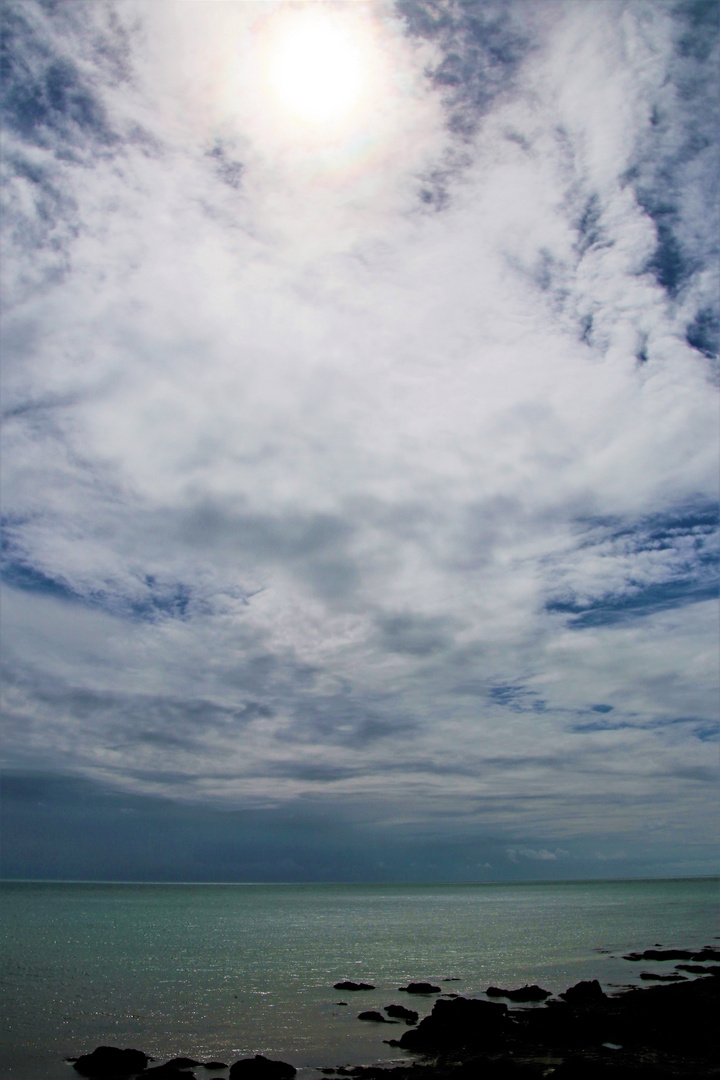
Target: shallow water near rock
x: 226, y: 971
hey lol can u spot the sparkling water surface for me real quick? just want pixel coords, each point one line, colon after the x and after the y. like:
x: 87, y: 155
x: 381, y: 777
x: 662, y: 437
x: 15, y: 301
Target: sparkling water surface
x: 224, y: 971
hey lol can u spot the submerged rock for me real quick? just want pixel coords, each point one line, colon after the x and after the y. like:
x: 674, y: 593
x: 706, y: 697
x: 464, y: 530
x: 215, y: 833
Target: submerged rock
x: 261, y: 1068
x: 349, y: 985
x: 376, y: 1017
x: 420, y: 988
x: 170, y: 1072
x: 707, y: 953
x: 111, y: 1061
x: 524, y: 993
x: 409, y: 1015
x: 215, y: 1065
x: 654, y: 977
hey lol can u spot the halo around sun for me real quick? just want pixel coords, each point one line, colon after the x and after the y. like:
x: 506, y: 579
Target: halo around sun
x: 315, y: 69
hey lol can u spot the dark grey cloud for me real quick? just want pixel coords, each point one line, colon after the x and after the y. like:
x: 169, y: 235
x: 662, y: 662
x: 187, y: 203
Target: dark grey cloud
x: 63, y: 827
x: 418, y: 635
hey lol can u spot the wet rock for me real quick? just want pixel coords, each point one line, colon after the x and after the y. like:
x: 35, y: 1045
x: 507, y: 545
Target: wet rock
x: 652, y: 976
x: 584, y: 993
x: 458, y: 1022
x: 349, y: 985
x: 215, y: 1065
x: 182, y: 1063
x: 700, y: 969
x: 524, y: 993
x: 261, y: 1068
x: 420, y: 988
x: 111, y: 1061
x: 708, y: 953
x: 376, y: 1017
x: 409, y: 1015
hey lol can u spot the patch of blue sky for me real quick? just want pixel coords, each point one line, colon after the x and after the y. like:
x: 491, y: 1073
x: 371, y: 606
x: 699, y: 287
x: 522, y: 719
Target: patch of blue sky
x: 151, y: 602
x: 662, y: 561
x: 635, y: 602
x: 700, y: 728
x: 517, y: 697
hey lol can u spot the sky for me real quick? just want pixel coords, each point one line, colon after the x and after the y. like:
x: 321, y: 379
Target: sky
x: 360, y: 439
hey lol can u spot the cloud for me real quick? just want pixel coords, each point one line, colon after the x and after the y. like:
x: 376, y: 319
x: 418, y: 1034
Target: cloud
x: 381, y: 470
x: 543, y: 855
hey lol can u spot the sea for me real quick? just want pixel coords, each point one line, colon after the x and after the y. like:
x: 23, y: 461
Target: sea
x: 228, y: 971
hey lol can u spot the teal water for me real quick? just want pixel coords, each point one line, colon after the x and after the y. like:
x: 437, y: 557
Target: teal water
x: 224, y: 971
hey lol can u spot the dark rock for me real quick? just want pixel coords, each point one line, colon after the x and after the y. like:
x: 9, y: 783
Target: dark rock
x: 110, y: 1061
x: 708, y: 953
x: 402, y: 1013
x: 654, y: 977
x: 261, y: 1068
x: 214, y: 1065
x: 524, y: 993
x: 699, y: 969
x: 420, y: 988
x: 349, y: 985
x: 376, y: 1017
x: 558, y: 1024
x: 458, y: 1022
x: 662, y: 954
x: 341, y: 1002
x: 584, y: 993
x: 487, y: 1069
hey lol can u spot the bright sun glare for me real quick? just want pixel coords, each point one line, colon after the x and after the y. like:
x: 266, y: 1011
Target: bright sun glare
x: 315, y: 68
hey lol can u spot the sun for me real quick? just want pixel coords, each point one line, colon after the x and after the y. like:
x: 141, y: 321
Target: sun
x: 315, y: 67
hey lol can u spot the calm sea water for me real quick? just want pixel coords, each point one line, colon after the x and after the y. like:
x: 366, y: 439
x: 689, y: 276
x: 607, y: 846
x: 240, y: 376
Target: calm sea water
x: 224, y: 971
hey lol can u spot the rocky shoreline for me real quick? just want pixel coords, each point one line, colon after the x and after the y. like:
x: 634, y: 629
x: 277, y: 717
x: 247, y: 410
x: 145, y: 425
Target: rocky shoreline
x: 661, y: 1032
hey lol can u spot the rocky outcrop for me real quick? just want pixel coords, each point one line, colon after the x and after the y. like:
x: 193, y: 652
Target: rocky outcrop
x: 420, y: 988
x: 584, y: 993
x: 107, y: 1062
x: 665, y: 1032
x: 261, y: 1068
x: 349, y: 985
x: 408, y: 1015
x: 459, y: 1022
x: 524, y: 993
x: 375, y: 1017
